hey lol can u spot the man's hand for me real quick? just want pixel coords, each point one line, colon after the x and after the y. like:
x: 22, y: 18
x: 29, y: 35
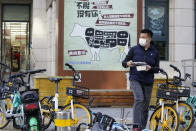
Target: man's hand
x: 130, y: 63
x: 148, y: 68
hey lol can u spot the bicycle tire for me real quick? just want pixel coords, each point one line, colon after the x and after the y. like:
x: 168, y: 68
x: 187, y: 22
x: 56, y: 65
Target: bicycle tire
x: 45, y: 103
x: 184, y: 118
x: 155, y: 120
x: 191, y: 101
x: 77, y: 120
x: 3, y: 125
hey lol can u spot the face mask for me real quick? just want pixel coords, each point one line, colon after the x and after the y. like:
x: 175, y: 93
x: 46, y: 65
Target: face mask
x: 142, y: 41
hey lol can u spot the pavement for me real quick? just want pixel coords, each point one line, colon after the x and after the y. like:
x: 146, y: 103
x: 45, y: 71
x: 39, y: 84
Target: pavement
x: 115, y: 112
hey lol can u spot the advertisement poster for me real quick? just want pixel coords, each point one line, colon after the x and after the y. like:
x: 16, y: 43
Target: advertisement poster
x: 99, y: 33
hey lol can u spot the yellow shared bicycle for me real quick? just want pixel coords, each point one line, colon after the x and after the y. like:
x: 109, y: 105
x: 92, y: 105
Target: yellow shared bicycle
x: 172, y: 114
x: 165, y: 117
x: 80, y: 113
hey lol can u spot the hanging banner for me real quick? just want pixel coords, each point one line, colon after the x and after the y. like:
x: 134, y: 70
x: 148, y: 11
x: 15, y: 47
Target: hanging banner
x: 99, y: 33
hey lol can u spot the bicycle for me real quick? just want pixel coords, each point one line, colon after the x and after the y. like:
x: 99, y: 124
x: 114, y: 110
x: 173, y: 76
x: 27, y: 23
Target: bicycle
x: 185, y: 111
x: 16, y: 106
x: 192, y: 102
x: 165, y: 117
x: 49, y: 104
x: 11, y: 107
x: 103, y: 122
x: 7, y: 101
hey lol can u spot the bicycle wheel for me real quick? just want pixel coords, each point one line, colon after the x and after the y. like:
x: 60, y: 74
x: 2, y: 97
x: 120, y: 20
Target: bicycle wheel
x: 81, y: 114
x: 168, y: 122
x: 3, y: 120
x: 186, y: 116
x: 46, y: 112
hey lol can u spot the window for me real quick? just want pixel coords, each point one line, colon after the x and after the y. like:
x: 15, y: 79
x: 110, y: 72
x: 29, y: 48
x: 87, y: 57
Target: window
x: 16, y: 13
x: 156, y: 19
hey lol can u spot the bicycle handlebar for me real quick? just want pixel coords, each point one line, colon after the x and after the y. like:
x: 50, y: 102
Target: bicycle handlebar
x: 6, y: 66
x: 70, y: 67
x: 174, y: 67
x: 178, y: 78
x: 164, y: 73
x: 177, y: 70
x: 36, y: 71
x: 21, y: 74
x: 76, y: 75
x: 187, y: 75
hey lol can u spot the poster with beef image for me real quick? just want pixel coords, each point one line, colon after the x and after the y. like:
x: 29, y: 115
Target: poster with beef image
x: 99, y: 33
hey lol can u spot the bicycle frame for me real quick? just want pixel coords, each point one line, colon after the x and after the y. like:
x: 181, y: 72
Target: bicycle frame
x: 18, y: 109
x: 162, y: 111
x: 162, y: 104
x: 16, y: 105
x: 68, y: 100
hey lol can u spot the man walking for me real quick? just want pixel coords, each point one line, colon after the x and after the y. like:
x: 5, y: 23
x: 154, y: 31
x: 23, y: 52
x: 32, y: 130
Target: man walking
x: 141, y: 80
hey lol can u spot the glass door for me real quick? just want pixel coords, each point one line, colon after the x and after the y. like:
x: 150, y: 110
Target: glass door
x: 15, y: 50
x: 15, y: 36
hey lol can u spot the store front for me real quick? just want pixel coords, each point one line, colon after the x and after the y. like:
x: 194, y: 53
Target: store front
x: 15, y: 37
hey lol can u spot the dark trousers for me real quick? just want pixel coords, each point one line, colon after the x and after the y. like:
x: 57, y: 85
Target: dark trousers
x: 142, y: 94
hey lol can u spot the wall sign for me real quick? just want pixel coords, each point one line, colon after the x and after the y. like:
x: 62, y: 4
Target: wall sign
x: 99, y: 33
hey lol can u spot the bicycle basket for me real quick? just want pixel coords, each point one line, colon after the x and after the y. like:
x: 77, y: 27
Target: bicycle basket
x: 78, y: 91
x: 184, y: 92
x: 168, y: 94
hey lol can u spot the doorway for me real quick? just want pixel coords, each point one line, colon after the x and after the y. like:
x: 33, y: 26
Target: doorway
x: 16, y: 36
x: 15, y: 45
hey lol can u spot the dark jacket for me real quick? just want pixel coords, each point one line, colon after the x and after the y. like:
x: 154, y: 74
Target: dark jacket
x: 139, y: 54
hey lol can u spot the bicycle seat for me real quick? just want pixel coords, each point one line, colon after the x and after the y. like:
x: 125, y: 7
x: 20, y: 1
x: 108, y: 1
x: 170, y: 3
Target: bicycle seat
x: 54, y: 79
x: 194, y: 84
